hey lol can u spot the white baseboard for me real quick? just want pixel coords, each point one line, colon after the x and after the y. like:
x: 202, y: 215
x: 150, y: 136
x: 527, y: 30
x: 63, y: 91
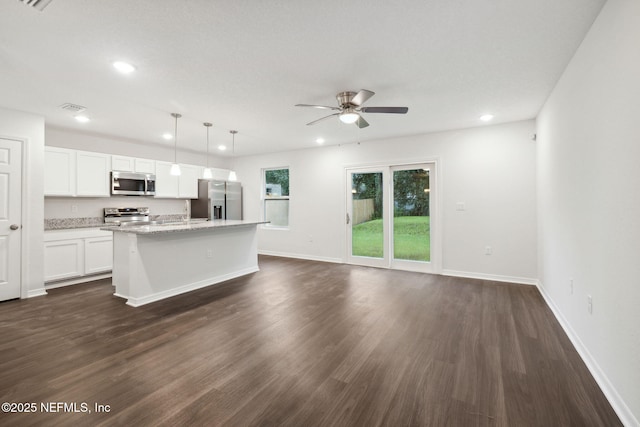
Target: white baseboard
x: 301, y: 256
x: 83, y: 279
x: 36, y: 292
x: 617, y: 403
x: 494, y: 277
x: 137, y: 302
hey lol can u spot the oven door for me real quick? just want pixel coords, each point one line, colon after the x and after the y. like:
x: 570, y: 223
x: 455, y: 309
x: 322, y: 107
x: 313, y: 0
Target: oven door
x: 128, y: 184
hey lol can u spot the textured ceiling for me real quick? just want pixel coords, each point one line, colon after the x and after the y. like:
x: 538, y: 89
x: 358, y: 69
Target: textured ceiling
x: 244, y: 64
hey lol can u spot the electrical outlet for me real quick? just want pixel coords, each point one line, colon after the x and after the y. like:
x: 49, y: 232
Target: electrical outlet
x: 488, y: 250
x: 310, y: 238
x: 74, y: 208
x: 589, y: 304
x: 571, y: 286
x: 460, y: 206
x: 209, y: 253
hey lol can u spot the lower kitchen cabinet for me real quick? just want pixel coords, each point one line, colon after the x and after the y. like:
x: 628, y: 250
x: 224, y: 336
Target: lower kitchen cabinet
x: 76, y: 255
x: 63, y: 259
x: 98, y: 254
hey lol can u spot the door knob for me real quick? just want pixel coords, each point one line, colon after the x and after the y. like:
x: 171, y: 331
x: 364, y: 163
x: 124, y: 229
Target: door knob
x: 14, y: 226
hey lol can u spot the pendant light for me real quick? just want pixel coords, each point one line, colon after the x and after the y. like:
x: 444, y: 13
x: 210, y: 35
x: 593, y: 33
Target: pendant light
x: 175, y: 167
x: 206, y: 174
x: 232, y: 173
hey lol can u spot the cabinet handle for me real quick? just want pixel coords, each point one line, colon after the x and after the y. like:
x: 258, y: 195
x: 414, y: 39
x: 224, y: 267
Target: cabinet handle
x: 14, y: 226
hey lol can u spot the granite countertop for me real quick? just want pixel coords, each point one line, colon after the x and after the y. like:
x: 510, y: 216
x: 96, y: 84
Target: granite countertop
x: 73, y: 223
x: 171, y: 227
x: 95, y: 222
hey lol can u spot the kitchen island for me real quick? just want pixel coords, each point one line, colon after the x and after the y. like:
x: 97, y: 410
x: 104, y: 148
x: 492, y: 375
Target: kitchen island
x: 154, y: 262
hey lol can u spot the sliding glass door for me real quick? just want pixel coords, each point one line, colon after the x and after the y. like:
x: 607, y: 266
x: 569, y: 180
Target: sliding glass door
x: 411, y: 225
x: 366, y: 226
x: 389, y: 216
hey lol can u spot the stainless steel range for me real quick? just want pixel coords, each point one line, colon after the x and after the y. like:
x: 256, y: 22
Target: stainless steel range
x: 126, y: 216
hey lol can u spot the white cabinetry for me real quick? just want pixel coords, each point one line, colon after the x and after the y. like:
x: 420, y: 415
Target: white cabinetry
x: 166, y: 184
x: 188, y: 182
x: 92, y: 174
x: 122, y: 163
x: 63, y: 259
x: 184, y: 186
x: 77, y: 254
x: 76, y: 173
x: 145, y: 166
x: 98, y: 254
x: 59, y: 172
x: 132, y: 164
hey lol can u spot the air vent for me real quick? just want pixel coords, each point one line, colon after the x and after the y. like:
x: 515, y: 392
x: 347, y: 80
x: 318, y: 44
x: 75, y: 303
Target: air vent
x: 73, y: 108
x: 36, y: 4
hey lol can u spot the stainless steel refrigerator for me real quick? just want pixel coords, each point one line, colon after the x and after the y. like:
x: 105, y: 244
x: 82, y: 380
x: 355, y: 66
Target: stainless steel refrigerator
x: 217, y: 200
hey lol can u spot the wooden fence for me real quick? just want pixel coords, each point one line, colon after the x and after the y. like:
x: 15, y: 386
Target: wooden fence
x: 362, y: 211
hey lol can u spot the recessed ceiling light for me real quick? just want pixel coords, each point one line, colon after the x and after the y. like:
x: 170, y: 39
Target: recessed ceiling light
x: 167, y: 136
x: 486, y: 117
x: 222, y: 147
x: 82, y: 119
x: 124, y: 67
x: 320, y: 140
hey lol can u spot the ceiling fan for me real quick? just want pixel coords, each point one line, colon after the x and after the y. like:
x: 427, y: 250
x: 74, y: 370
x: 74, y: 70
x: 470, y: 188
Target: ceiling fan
x: 350, y: 107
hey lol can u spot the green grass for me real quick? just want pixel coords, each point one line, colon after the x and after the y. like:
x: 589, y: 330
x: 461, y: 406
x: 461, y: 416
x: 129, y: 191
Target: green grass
x: 411, y: 238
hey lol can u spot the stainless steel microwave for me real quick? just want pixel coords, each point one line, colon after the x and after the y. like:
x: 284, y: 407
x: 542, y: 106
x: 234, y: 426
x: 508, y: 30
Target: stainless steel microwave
x: 133, y: 184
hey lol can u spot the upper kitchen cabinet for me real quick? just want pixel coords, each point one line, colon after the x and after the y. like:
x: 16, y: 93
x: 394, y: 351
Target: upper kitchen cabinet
x: 76, y: 173
x: 59, y: 172
x: 122, y: 163
x: 92, y: 174
x: 166, y: 184
x: 132, y: 164
x: 188, y: 183
x: 184, y: 186
x: 145, y: 166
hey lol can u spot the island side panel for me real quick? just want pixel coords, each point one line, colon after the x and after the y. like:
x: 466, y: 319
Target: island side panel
x: 167, y: 264
x: 123, y: 245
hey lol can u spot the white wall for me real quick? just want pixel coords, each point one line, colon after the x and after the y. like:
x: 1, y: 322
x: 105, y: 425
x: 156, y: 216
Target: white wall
x: 589, y: 202
x: 30, y: 129
x: 68, y: 138
x: 61, y: 207
x: 85, y: 207
x: 491, y: 169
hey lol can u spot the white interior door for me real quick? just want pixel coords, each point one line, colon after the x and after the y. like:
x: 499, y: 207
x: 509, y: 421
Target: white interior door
x: 10, y: 218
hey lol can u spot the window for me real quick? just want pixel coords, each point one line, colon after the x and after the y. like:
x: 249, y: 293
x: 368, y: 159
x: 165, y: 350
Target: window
x: 276, y: 197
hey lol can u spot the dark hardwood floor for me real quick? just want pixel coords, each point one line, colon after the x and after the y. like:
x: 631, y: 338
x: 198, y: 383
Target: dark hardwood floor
x: 300, y: 343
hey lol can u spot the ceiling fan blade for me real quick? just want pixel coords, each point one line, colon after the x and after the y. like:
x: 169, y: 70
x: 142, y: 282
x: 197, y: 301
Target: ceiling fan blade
x: 362, y: 123
x: 361, y: 97
x: 392, y: 110
x: 324, y: 107
x: 321, y: 119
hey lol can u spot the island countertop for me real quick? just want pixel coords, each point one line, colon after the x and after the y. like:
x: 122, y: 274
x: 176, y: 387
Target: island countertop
x: 182, y: 226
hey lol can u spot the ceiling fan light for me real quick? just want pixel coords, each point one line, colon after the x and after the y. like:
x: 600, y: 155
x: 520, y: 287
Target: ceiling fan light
x: 349, y: 117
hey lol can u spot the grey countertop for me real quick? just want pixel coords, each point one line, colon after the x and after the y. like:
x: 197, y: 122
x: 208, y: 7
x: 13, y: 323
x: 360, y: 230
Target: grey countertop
x: 172, y: 227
